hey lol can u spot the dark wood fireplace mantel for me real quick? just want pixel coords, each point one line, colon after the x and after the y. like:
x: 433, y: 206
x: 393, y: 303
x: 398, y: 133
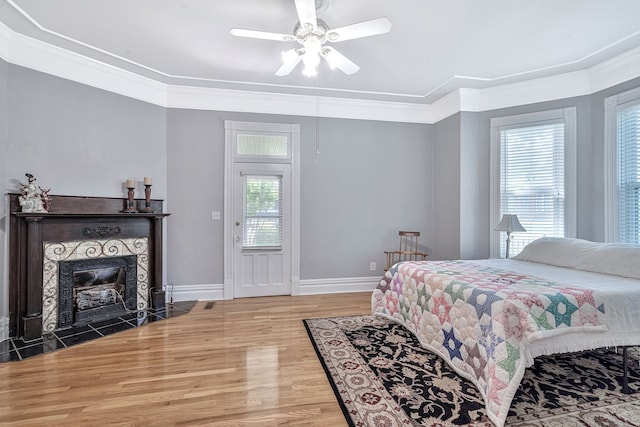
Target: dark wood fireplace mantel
x: 72, y: 218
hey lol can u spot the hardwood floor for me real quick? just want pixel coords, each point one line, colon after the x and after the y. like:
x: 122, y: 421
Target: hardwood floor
x: 244, y: 362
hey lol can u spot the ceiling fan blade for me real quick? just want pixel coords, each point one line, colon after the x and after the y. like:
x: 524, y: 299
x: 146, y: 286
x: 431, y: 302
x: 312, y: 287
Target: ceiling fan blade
x: 289, y: 64
x: 338, y: 60
x: 239, y: 32
x: 361, y: 29
x: 307, y: 14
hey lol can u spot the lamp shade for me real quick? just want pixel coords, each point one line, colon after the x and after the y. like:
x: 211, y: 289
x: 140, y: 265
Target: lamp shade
x: 509, y: 223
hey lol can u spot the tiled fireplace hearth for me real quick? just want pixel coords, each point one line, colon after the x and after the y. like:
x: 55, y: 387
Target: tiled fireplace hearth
x: 83, y: 261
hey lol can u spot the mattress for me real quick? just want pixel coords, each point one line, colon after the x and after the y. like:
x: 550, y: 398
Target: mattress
x: 621, y: 297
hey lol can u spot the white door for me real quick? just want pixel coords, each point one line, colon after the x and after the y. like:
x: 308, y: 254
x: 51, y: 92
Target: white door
x: 261, y: 209
x: 262, y: 236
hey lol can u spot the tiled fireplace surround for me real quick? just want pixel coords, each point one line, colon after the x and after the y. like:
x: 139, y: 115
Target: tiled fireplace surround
x: 57, y: 252
x: 77, y: 228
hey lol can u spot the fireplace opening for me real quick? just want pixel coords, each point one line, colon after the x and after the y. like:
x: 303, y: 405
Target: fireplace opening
x: 96, y: 289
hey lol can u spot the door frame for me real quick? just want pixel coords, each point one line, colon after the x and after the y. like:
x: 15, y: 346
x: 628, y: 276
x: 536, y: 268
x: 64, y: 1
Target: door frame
x: 232, y: 127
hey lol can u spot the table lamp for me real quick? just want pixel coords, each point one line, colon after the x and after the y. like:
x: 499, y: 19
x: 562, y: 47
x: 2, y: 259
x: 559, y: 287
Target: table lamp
x: 509, y: 223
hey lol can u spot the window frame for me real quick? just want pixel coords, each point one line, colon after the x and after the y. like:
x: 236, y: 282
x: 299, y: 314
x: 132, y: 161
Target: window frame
x: 568, y: 117
x: 612, y: 106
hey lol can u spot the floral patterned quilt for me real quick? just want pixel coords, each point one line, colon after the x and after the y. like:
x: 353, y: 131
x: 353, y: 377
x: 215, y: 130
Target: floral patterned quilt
x: 480, y: 319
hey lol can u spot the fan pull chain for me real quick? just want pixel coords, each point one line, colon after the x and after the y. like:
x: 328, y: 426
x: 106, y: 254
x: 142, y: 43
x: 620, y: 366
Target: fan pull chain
x: 317, y: 157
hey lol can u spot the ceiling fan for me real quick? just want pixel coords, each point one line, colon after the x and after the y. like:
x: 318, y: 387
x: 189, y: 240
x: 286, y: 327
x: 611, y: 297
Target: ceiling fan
x: 312, y: 34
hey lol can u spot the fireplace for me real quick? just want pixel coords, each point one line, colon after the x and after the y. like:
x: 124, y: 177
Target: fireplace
x: 82, y: 261
x: 71, y: 265
x: 96, y: 289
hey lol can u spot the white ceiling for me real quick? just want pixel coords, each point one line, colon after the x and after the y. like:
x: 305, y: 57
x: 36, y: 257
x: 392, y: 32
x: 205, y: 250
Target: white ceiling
x: 434, y: 47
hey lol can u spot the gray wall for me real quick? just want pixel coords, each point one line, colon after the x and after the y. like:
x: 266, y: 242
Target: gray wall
x: 78, y: 140
x: 461, y: 188
x: 474, y: 187
x: 4, y: 105
x: 353, y: 200
x: 372, y: 179
x: 446, y: 191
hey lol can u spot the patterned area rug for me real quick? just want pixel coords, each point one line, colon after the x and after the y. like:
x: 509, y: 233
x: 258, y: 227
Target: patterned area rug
x: 383, y: 377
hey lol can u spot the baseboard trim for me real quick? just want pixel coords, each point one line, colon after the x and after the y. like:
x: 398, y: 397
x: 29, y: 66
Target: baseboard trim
x: 338, y: 285
x: 4, y: 328
x: 201, y: 292
x: 208, y: 292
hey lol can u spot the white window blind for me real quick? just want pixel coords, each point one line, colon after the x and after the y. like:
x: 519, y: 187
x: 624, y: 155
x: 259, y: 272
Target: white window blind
x: 262, y: 210
x: 532, y: 185
x: 628, y: 173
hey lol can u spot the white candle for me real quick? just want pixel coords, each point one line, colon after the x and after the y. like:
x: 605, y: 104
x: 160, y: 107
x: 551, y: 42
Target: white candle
x: 147, y: 180
x: 131, y: 183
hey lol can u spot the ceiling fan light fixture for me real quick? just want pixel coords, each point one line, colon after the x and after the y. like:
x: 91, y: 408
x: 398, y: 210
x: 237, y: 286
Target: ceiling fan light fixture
x: 312, y: 33
x: 311, y: 57
x: 309, y: 71
x: 313, y: 45
x: 311, y: 60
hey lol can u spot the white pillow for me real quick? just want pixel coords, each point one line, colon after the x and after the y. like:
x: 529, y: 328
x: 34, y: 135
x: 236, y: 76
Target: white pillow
x: 559, y: 251
x: 611, y: 258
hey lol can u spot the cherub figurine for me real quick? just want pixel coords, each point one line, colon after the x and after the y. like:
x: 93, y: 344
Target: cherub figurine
x: 30, y: 199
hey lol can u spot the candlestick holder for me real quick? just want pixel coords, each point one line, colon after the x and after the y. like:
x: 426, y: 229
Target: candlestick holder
x: 147, y: 198
x: 131, y: 207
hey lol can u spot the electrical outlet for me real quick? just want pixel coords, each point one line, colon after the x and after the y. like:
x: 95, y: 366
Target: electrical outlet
x: 215, y: 215
x: 372, y: 266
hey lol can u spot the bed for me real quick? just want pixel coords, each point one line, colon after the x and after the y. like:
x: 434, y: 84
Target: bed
x: 490, y: 318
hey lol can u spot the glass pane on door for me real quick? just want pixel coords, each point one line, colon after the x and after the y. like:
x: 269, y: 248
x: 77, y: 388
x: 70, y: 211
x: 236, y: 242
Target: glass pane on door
x: 262, y: 208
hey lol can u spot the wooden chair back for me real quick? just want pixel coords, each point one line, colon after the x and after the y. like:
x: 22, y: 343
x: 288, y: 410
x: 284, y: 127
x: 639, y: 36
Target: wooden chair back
x: 408, y: 250
x: 409, y: 241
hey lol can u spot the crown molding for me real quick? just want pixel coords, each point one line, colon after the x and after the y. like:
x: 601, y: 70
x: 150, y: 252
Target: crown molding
x: 448, y: 105
x: 617, y: 70
x: 36, y: 55
x: 561, y: 86
x: 31, y: 53
x: 200, y: 98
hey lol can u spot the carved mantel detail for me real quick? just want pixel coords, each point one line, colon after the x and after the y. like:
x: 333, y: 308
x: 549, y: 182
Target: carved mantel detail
x: 101, y: 231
